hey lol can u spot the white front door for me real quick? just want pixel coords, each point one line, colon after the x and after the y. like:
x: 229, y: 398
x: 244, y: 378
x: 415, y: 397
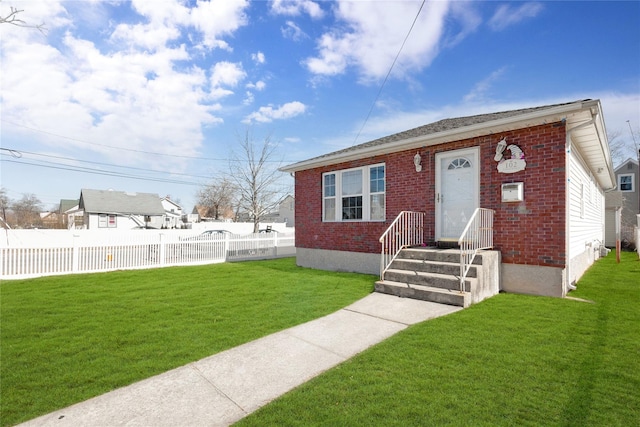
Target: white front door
x: 457, y: 191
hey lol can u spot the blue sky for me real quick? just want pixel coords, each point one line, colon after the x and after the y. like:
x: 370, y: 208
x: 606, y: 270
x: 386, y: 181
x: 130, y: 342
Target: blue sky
x: 162, y: 91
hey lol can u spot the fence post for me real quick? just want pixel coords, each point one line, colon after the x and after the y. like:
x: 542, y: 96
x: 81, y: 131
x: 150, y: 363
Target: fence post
x: 227, y: 243
x: 162, y: 251
x: 75, y: 256
x: 275, y: 244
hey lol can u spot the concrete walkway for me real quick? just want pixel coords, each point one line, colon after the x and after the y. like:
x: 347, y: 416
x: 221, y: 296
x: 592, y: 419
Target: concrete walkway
x: 221, y: 389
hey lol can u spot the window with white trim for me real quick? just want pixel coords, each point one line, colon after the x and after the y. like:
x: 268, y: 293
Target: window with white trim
x: 626, y: 182
x: 107, y: 221
x: 354, y: 194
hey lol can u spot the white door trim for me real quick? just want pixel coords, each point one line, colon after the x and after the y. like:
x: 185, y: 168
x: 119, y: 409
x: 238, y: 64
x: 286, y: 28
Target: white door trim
x: 473, y: 153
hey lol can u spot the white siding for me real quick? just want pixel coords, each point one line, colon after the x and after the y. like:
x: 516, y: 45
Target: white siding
x: 586, y: 210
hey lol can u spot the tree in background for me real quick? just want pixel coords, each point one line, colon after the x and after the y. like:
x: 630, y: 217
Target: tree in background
x: 217, y: 197
x: 11, y: 17
x: 26, y: 211
x: 254, y: 174
x: 622, y: 147
x: 4, y: 206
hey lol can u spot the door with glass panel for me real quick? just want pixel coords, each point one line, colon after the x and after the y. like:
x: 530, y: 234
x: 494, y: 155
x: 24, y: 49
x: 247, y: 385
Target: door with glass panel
x: 457, y: 191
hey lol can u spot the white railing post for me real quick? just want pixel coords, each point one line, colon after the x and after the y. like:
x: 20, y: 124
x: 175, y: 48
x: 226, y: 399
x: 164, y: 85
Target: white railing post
x: 406, y: 230
x: 477, y: 235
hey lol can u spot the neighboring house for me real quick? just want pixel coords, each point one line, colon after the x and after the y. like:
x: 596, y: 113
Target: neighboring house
x: 627, y: 175
x: 72, y: 217
x: 543, y: 170
x: 172, y: 214
x: 108, y: 209
x: 67, y: 205
x: 50, y: 219
x: 285, y: 212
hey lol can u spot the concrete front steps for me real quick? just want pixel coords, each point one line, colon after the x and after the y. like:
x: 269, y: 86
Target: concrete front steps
x: 432, y: 274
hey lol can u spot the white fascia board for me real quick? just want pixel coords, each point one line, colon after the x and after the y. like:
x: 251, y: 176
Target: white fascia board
x: 534, y: 118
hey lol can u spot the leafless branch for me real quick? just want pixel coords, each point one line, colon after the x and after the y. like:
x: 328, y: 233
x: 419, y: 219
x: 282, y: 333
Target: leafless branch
x: 13, y: 19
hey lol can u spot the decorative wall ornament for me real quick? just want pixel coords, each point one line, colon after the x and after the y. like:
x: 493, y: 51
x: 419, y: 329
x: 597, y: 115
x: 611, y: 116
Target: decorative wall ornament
x: 417, y: 161
x: 513, y: 164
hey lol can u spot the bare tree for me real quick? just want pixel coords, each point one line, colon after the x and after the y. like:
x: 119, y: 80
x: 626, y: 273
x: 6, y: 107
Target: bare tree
x: 12, y: 18
x: 617, y: 147
x: 4, y: 199
x: 622, y: 147
x: 255, y: 173
x: 4, y: 205
x: 217, y: 197
x: 27, y: 211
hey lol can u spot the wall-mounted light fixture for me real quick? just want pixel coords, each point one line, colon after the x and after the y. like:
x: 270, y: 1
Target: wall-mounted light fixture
x: 417, y: 161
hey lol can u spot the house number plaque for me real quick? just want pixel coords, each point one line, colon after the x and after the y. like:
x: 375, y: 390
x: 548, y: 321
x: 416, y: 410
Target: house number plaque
x: 513, y: 164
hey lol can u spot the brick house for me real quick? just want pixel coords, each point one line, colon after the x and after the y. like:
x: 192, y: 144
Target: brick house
x: 543, y: 171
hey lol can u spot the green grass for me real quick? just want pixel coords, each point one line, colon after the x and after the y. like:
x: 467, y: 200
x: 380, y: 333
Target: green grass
x: 510, y: 360
x: 65, y: 339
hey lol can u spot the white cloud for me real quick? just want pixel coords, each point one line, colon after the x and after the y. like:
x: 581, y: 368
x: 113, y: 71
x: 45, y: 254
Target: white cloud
x: 293, y: 32
x: 258, y: 57
x: 166, y: 20
x: 227, y: 74
x: 467, y: 16
x: 480, y: 90
x: 269, y: 113
x: 372, y: 35
x: 96, y: 96
x: 507, y: 15
x: 259, y: 85
x: 249, y: 98
x: 297, y: 7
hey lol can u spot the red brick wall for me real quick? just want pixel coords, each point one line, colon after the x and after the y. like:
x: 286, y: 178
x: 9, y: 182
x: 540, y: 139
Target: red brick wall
x: 529, y: 232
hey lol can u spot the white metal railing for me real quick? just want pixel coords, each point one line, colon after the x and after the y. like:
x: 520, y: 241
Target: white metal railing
x: 103, y: 252
x: 477, y: 235
x: 406, y: 230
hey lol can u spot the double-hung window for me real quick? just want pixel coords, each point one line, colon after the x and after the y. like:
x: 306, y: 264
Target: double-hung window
x: 107, y: 221
x: 625, y: 182
x: 354, y: 194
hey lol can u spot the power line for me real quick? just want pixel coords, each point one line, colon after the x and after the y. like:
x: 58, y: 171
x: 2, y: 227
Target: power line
x: 389, y: 72
x: 99, y: 172
x: 18, y: 154
x: 153, y: 153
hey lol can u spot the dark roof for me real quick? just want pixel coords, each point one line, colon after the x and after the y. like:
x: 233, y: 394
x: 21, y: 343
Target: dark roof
x: 66, y: 204
x: 448, y: 124
x: 441, y: 126
x: 120, y: 202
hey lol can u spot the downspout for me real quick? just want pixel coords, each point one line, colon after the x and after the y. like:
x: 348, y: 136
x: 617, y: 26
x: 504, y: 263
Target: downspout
x: 567, y: 204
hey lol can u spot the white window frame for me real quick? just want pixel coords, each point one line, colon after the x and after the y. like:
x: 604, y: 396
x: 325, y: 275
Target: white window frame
x: 107, y: 221
x: 633, y: 182
x: 365, y: 194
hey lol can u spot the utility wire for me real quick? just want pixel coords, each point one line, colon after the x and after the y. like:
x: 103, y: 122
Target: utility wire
x: 18, y: 154
x: 127, y: 149
x: 389, y: 72
x: 98, y: 172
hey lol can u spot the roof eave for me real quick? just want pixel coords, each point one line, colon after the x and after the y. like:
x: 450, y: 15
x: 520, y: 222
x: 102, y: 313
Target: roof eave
x: 553, y: 114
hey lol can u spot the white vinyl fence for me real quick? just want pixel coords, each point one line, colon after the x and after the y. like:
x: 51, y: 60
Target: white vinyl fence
x: 53, y: 252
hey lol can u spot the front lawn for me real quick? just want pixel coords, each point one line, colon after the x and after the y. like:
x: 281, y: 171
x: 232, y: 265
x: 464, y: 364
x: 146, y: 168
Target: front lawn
x: 65, y: 339
x: 509, y: 361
